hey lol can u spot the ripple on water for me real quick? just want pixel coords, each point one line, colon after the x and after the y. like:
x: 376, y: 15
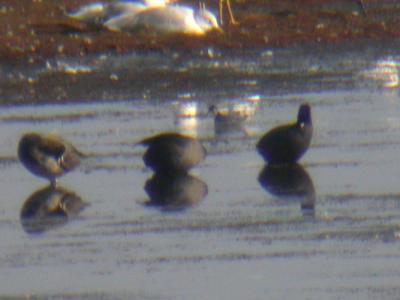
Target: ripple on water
x: 343, y: 244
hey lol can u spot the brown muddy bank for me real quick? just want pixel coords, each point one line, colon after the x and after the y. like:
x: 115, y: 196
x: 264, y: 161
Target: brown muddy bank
x: 32, y: 31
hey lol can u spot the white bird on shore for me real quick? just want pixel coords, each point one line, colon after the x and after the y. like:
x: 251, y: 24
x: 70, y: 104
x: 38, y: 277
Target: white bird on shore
x: 97, y: 13
x: 91, y: 14
x: 167, y: 19
x: 122, y: 22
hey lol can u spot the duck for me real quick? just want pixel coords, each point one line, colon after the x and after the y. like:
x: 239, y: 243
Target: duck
x: 286, y: 144
x: 172, y: 152
x: 47, y: 156
x: 167, y: 19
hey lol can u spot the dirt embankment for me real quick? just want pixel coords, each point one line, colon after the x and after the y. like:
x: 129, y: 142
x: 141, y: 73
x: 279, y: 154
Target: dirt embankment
x: 34, y: 30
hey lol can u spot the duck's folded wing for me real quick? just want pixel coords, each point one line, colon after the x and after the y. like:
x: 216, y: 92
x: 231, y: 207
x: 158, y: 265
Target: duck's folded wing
x: 52, y: 147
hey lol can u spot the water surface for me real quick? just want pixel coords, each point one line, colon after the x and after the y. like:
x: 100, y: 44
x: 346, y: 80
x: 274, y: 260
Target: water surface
x: 338, y: 239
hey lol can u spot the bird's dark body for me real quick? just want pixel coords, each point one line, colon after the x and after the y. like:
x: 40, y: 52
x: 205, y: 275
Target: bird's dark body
x: 47, y: 156
x: 286, y: 144
x: 170, y: 152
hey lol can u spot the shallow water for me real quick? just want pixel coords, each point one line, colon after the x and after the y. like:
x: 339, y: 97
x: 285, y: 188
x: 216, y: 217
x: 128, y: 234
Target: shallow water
x: 338, y: 239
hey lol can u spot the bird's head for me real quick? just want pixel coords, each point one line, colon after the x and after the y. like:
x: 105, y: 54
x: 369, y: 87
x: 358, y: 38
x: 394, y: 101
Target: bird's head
x: 304, y: 115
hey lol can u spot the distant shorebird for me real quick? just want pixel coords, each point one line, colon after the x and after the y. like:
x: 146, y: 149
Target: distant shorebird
x: 166, y: 19
x: 172, y: 152
x: 47, y: 156
x: 227, y: 120
x: 286, y: 144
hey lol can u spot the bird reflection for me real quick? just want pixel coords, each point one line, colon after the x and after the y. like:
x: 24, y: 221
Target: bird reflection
x: 229, y: 129
x: 174, y: 191
x: 48, y: 208
x: 290, y: 181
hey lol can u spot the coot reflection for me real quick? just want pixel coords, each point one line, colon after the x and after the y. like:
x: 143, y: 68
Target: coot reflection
x: 289, y: 181
x: 49, y: 207
x: 175, y: 191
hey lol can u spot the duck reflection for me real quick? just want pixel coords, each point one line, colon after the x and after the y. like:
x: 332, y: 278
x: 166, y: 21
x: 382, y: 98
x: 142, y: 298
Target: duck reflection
x: 49, y: 207
x: 290, y: 181
x: 174, y: 191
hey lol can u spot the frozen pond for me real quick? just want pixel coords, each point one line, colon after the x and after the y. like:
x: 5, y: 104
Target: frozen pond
x: 338, y: 237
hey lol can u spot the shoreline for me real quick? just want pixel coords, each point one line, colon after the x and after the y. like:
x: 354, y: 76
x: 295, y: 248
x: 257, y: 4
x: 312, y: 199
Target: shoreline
x: 31, y: 32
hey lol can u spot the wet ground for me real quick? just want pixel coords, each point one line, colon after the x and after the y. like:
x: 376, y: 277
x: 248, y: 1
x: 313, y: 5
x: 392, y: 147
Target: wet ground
x: 328, y: 228
x: 233, y: 229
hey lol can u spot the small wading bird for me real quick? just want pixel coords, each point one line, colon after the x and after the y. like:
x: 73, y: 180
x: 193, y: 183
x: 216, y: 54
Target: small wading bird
x: 166, y: 19
x: 230, y: 118
x: 172, y: 152
x: 286, y: 144
x: 47, y: 156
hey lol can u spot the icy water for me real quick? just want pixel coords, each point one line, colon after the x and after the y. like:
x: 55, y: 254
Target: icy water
x: 328, y: 228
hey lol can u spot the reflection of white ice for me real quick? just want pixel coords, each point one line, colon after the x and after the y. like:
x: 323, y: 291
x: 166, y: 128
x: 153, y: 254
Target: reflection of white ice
x: 385, y: 72
x: 187, y: 109
x: 186, y: 117
x: 244, y: 109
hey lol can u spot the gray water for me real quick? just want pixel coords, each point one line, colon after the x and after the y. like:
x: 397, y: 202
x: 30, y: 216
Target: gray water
x: 336, y: 236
